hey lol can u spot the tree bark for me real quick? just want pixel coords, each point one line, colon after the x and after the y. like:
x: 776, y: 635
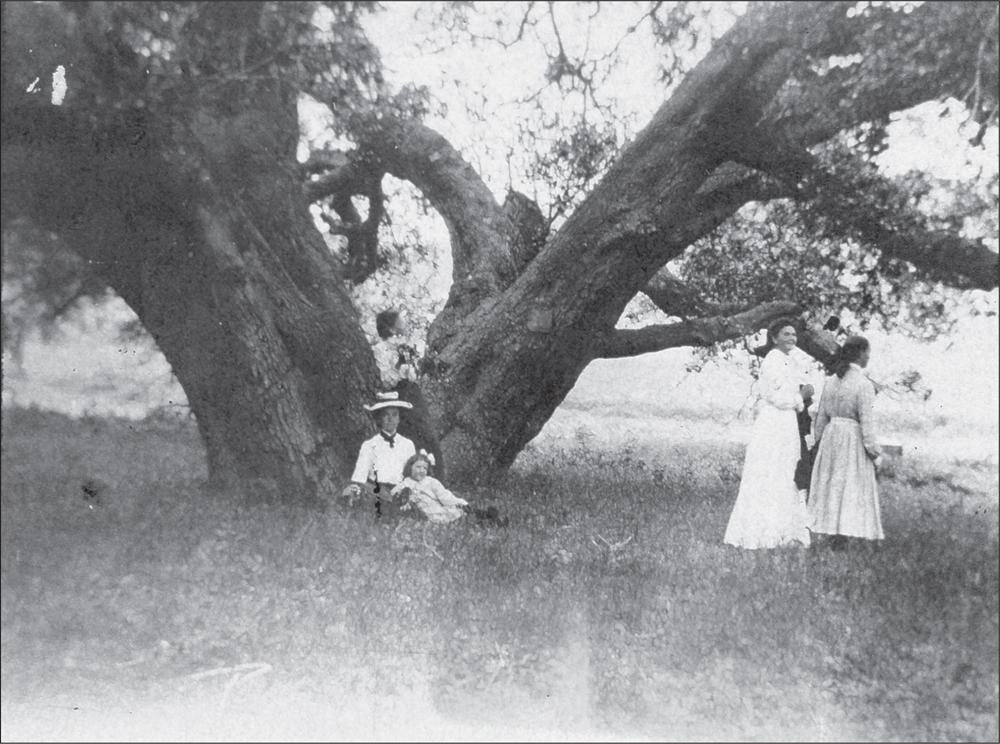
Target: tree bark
x: 202, y: 231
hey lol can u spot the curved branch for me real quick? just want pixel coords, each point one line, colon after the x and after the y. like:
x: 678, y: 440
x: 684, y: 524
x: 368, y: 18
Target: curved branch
x: 696, y: 332
x: 411, y: 151
x: 671, y: 295
x: 416, y: 153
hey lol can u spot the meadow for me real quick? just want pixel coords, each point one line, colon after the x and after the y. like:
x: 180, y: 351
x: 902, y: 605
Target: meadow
x: 608, y: 608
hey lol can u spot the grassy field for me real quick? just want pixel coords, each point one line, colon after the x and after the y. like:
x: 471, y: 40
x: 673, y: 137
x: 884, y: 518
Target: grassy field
x: 608, y: 608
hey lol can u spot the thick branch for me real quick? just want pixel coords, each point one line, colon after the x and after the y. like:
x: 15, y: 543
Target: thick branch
x: 801, y: 113
x: 947, y: 257
x: 817, y: 343
x: 820, y: 105
x: 480, y: 231
x: 671, y: 295
x: 729, y: 188
x: 696, y: 332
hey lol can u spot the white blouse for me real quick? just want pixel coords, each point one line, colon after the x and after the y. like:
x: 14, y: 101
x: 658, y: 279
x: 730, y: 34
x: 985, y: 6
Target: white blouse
x: 394, y: 363
x: 379, y: 462
x: 780, y: 377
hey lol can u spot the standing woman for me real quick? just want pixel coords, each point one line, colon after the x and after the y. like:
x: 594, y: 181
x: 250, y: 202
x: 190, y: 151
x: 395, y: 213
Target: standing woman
x: 769, y: 512
x: 843, y: 495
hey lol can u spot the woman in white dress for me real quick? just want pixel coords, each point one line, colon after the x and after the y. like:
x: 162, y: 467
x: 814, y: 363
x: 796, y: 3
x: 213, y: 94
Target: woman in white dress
x: 769, y: 513
x: 843, y: 494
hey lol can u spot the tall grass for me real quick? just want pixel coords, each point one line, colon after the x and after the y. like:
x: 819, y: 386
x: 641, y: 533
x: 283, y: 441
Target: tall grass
x: 607, y: 607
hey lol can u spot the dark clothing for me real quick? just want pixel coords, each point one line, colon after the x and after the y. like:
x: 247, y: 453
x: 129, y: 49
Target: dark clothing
x: 375, y: 498
x: 803, y: 470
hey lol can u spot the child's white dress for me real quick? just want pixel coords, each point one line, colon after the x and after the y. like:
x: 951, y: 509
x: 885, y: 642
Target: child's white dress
x: 433, y: 500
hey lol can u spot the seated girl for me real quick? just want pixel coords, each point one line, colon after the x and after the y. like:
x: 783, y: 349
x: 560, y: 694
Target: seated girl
x: 426, y: 492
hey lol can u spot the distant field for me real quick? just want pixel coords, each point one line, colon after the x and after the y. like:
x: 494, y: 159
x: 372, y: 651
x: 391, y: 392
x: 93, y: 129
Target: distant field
x: 88, y: 370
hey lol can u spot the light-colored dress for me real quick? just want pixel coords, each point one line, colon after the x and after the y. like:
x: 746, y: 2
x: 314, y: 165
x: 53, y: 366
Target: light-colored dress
x: 434, y: 501
x: 843, y: 495
x: 769, y: 512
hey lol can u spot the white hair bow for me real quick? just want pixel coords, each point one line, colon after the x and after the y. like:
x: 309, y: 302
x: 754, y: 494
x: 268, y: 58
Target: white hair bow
x: 428, y: 455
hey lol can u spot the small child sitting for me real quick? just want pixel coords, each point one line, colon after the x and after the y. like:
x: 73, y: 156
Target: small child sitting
x: 427, y: 493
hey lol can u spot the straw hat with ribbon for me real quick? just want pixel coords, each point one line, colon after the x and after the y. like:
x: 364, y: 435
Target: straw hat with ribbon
x: 387, y: 400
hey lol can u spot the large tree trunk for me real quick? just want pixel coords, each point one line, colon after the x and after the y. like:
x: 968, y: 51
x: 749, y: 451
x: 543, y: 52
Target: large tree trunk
x: 509, y: 345
x: 201, y: 229
x: 195, y: 216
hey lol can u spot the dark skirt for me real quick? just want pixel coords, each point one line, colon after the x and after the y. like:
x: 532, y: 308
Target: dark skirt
x: 376, y: 500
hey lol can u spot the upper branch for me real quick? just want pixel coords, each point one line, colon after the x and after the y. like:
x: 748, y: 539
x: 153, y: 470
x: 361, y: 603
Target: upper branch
x: 756, y: 100
x: 904, y: 60
x: 671, y: 295
x: 489, y: 245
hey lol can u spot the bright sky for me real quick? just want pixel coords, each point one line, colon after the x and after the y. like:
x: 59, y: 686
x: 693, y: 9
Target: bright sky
x: 921, y: 138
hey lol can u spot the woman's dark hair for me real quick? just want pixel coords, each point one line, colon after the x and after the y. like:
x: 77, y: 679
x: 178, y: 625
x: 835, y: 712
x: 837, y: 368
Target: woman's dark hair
x: 385, y: 323
x: 851, y: 351
x: 772, y: 331
x: 775, y: 328
x: 409, y: 464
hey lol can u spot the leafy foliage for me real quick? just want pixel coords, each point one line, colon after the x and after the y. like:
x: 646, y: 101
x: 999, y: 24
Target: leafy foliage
x: 821, y: 250
x: 575, y: 160
x: 570, y: 126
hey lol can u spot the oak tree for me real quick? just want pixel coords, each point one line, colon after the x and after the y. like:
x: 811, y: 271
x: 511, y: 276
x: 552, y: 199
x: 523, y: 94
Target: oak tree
x: 169, y: 168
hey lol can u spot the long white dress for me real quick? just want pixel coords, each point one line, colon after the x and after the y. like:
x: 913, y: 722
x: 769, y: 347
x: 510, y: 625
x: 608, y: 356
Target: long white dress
x: 843, y: 495
x: 769, y: 512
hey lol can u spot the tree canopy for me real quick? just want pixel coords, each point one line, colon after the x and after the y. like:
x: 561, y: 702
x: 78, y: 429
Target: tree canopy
x: 153, y: 148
